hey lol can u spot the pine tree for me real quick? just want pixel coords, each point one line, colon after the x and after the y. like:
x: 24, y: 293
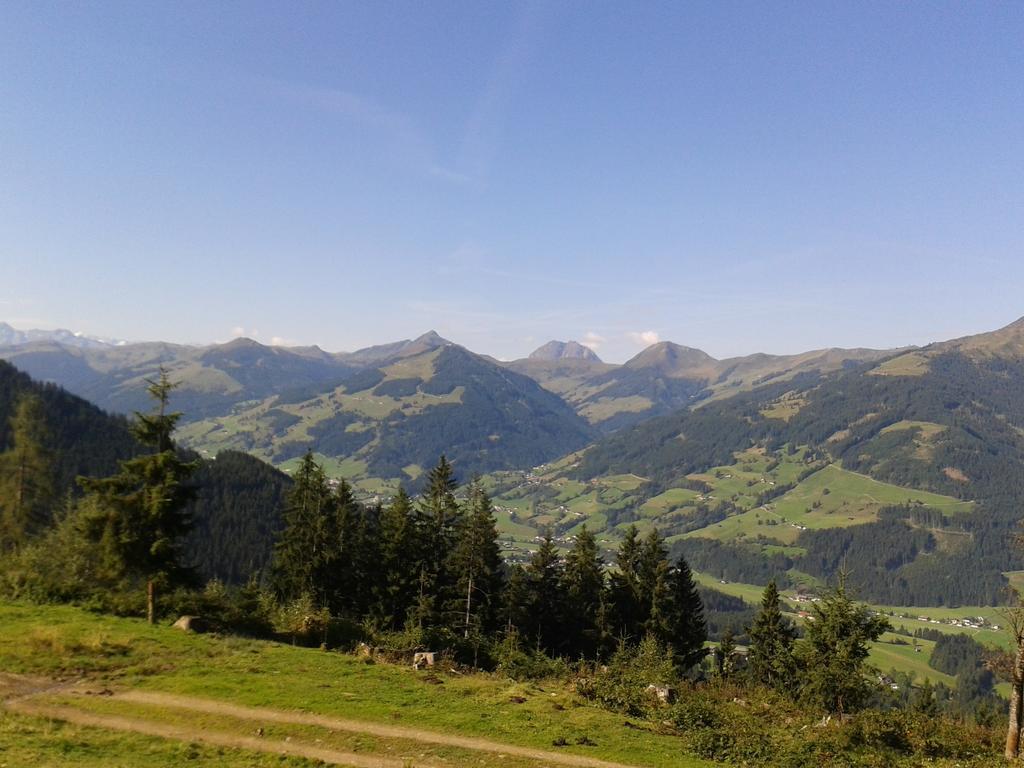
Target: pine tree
x: 398, y: 579
x: 626, y: 610
x: 438, y: 519
x: 687, y: 630
x: 652, y: 587
x: 348, y: 549
x: 545, y: 601
x: 26, y: 476
x: 583, y: 584
x: 834, y: 651
x: 477, y: 565
x: 141, y: 514
x: 770, y: 659
x: 306, y: 543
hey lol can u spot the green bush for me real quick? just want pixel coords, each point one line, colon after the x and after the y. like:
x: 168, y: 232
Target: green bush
x: 623, y: 685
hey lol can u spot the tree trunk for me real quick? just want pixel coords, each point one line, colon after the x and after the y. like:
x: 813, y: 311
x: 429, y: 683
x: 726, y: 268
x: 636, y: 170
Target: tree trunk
x: 1016, y: 705
x: 150, y: 603
x: 469, y: 601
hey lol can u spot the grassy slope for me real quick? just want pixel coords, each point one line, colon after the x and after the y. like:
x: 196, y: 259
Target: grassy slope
x: 60, y: 641
x: 43, y: 743
x: 830, y: 497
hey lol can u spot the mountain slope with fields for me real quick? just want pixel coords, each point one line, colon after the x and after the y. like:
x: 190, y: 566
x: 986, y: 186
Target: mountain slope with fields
x: 392, y: 421
x: 909, y: 473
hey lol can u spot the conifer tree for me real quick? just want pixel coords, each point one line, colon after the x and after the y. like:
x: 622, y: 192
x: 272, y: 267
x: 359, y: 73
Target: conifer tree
x: 625, y: 588
x: 438, y: 519
x: 345, y: 554
x: 833, y: 654
x: 306, y: 544
x: 140, y: 515
x: 652, y: 587
x: 583, y: 584
x: 26, y: 476
x: 770, y: 659
x: 687, y: 631
x: 398, y: 575
x: 477, y: 565
x: 545, y: 603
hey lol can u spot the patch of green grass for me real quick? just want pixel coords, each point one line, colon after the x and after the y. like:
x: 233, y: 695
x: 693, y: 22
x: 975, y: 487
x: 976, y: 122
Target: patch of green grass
x: 42, y: 742
x: 274, y: 675
x: 910, y: 364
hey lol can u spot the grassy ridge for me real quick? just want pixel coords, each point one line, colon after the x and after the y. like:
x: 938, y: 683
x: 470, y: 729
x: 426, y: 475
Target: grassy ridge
x: 61, y: 641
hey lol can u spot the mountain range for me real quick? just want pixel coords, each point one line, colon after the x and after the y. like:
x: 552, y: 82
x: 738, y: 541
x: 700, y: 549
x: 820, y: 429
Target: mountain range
x: 906, y: 465
x: 386, y: 409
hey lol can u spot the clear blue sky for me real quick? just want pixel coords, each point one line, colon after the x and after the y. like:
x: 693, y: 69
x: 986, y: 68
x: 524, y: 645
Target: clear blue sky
x: 729, y: 175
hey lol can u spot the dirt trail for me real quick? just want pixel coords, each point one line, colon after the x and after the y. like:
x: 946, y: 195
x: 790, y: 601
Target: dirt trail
x: 214, y: 738
x: 259, y: 715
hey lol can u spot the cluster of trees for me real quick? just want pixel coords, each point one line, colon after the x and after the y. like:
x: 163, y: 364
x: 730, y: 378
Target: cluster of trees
x: 435, y: 564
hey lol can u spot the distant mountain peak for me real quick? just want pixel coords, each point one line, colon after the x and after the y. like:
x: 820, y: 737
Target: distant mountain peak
x: 564, y: 350
x: 12, y: 337
x: 673, y: 359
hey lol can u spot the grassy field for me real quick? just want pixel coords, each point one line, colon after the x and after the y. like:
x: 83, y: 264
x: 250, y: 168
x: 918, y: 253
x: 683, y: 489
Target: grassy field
x: 125, y: 654
x: 47, y: 743
x: 828, y: 496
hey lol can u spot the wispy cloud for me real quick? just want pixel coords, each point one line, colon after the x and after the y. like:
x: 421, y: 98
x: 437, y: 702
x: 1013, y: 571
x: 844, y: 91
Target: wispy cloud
x: 398, y: 129
x: 644, y: 338
x: 592, y: 341
x: 484, y: 127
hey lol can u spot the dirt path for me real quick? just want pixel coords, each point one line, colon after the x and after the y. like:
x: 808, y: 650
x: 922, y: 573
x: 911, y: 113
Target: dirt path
x: 214, y: 738
x: 262, y: 715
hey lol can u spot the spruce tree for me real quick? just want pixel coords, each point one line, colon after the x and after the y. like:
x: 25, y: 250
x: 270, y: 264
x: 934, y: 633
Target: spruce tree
x: 833, y: 654
x: 26, y: 476
x: 140, y: 515
x: 626, y: 610
x: 398, y: 576
x: 477, y: 565
x: 653, y: 593
x: 307, y: 542
x: 583, y: 584
x: 687, y: 630
x: 545, y: 601
x: 438, y: 519
x: 770, y: 659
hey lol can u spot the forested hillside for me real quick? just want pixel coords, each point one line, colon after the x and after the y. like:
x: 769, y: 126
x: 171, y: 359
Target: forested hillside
x: 775, y: 482
x: 387, y: 423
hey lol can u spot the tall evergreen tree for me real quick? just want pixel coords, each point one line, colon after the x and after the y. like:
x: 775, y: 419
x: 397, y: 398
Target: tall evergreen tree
x: 652, y: 587
x: 833, y: 654
x: 438, y: 519
x: 347, y: 549
x: 687, y: 630
x: 770, y: 659
x: 626, y: 600
x: 477, y: 565
x: 140, y: 516
x: 306, y: 545
x: 545, y: 600
x: 398, y: 575
x: 26, y: 476
x: 583, y: 584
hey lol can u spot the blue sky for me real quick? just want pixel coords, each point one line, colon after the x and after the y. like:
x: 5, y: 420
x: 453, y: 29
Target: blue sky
x: 733, y: 176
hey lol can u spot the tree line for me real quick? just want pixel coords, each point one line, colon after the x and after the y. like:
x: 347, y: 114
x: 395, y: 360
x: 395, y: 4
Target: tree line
x: 434, y: 563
